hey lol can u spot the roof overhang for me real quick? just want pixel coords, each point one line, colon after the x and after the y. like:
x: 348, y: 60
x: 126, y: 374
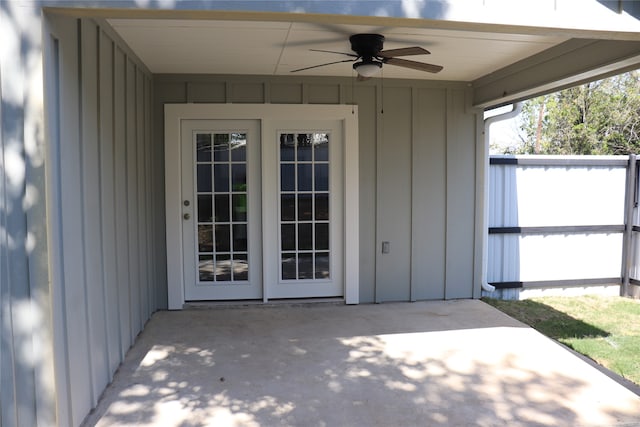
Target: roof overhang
x: 568, y: 64
x: 505, y: 50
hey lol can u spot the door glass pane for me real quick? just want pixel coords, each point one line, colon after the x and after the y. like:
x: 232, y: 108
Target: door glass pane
x: 203, y: 147
x: 304, y: 147
x: 222, y: 208
x: 223, y: 238
x: 239, y: 177
x: 289, y: 270
x: 321, y: 175
x: 204, y: 179
x: 221, y: 184
x: 322, y: 265
x: 223, y: 268
x: 205, y: 212
x: 305, y: 236
x: 239, y: 207
x: 305, y: 265
x: 304, y: 206
x: 221, y: 177
x: 205, y: 268
x: 287, y: 177
x: 240, y: 267
x: 238, y: 147
x: 205, y: 238
x: 221, y: 147
x: 288, y: 207
x: 322, y: 236
x: 288, y: 236
x: 305, y: 177
x: 322, y: 207
x: 240, y: 237
x: 321, y: 147
x: 287, y: 147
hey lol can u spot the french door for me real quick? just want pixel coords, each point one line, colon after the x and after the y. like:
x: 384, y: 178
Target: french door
x: 262, y: 209
x: 221, y: 227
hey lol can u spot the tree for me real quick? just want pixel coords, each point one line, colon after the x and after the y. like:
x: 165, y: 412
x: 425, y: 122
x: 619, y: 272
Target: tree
x: 601, y: 117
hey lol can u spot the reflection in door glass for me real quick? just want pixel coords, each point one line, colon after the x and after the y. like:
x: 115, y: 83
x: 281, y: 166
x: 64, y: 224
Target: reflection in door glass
x: 304, y: 206
x: 221, y: 186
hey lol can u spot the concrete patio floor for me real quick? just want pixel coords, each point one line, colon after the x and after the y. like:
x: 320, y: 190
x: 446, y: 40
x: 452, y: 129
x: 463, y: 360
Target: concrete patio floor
x: 451, y: 363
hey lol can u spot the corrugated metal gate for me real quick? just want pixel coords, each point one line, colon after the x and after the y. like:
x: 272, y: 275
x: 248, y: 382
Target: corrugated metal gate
x: 563, y: 222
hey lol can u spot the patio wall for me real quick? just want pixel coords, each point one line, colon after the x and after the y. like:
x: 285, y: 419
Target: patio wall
x: 417, y: 172
x: 558, y: 222
x: 104, y: 255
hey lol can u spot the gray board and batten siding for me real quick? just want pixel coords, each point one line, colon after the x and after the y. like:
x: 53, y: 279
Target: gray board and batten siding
x: 417, y: 163
x: 106, y: 189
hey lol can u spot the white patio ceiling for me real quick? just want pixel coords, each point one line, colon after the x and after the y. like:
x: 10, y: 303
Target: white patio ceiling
x: 276, y: 48
x: 502, y: 62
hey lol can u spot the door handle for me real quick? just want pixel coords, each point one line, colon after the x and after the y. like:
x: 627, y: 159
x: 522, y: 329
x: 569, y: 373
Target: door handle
x: 186, y: 216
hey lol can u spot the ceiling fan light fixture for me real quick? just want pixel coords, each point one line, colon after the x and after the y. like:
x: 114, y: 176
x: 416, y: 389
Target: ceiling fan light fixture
x: 367, y: 68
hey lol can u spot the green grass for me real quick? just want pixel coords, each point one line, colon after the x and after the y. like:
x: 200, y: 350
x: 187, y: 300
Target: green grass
x: 606, y: 329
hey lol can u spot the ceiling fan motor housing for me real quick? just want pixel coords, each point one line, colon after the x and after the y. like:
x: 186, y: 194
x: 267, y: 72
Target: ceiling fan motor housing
x: 367, y: 46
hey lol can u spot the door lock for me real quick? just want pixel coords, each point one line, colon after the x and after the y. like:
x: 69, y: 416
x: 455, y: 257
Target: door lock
x: 186, y: 203
x: 186, y: 216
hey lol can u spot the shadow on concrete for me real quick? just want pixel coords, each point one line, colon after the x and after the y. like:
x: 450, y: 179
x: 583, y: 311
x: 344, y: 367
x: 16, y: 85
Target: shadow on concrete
x: 436, y: 364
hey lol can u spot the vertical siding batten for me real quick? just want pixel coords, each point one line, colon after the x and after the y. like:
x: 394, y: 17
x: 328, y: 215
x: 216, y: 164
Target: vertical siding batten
x: 122, y: 199
x: 57, y: 34
x: 107, y: 193
x: 142, y: 252
x: 150, y: 214
x: 132, y: 202
x: 72, y: 211
x: 92, y: 216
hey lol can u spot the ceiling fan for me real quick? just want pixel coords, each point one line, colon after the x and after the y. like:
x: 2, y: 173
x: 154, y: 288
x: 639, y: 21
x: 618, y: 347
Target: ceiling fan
x: 369, y: 56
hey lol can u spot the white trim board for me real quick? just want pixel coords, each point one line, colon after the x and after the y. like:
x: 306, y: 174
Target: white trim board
x: 265, y: 113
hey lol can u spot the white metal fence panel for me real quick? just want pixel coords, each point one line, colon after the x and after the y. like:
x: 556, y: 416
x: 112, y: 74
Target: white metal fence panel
x: 570, y: 195
x: 556, y: 221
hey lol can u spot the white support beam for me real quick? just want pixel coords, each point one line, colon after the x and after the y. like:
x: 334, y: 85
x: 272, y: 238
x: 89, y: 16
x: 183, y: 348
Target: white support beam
x: 571, y: 63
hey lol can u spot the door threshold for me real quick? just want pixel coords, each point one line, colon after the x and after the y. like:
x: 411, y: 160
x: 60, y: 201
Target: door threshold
x: 292, y: 302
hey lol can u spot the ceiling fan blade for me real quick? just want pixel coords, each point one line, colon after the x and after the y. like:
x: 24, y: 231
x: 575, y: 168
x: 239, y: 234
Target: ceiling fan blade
x: 420, y: 66
x: 322, y: 65
x: 404, y: 51
x: 333, y: 51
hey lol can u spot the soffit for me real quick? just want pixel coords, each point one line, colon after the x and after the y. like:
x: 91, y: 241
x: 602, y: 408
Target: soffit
x: 277, y: 47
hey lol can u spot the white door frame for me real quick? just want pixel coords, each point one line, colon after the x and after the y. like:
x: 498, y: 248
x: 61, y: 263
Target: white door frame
x: 265, y: 113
